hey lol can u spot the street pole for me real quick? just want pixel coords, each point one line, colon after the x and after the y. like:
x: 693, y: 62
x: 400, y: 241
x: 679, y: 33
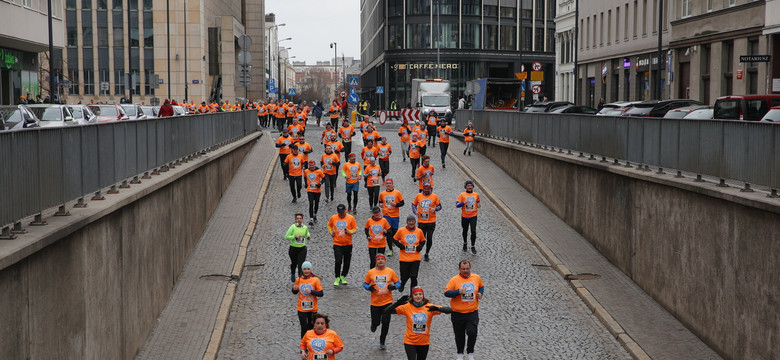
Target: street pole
x: 186, y: 84
x: 335, y: 69
x: 51, y: 58
x: 438, y: 41
x: 168, y: 34
x: 660, y: 42
x: 576, y: 50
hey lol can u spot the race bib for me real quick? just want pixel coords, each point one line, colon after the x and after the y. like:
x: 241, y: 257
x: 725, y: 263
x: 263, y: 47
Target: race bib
x: 470, y: 203
x: 328, y: 167
x: 410, y: 249
x: 419, y: 323
x: 419, y: 328
x: 300, y: 241
x: 375, y: 182
x: 380, y: 281
x: 320, y: 357
x: 468, y: 295
x: 307, y: 305
x: 312, y: 185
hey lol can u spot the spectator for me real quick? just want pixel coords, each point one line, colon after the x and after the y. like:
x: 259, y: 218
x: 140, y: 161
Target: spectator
x: 166, y: 109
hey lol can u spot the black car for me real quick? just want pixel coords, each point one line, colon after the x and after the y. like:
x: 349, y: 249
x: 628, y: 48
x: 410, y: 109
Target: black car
x: 655, y: 108
x: 546, y: 106
x: 574, y: 109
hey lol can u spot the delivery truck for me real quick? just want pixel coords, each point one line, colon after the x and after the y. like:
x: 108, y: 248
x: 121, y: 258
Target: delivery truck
x: 431, y: 94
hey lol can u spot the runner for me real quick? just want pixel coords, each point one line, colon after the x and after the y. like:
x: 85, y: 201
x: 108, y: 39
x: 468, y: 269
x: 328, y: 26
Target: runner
x: 321, y: 342
x: 330, y: 164
x: 384, y: 156
x: 326, y: 133
x: 368, y: 151
x: 469, y: 205
x: 404, y: 132
x: 410, y: 241
x: 465, y: 290
x: 334, y: 113
x: 283, y: 144
x: 295, y: 168
x: 431, y: 121
x: 314, y: 177
x: 419, y: 312
x: 381, y: 281
x: 304, y: 148
x: 376, y: 233
x: 346, y: 132
x: 308, y: 288
x: 335, y: 145
x: 352, y: 172
x: 414, y: 154
x: 297, y: 235
x: 391, y: 200
x: 341, y: 226
x: 372, y: 173
x: 444, y: 132
x: 419, y: 129
x: 424, y: 173
x: 425, y: 206
x: 468, y: 138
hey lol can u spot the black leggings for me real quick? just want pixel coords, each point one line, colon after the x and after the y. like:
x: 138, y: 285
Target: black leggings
x: 415, y: 164
x: 306, y: 321
x: 464, y: 324
x: 350, y: 203
x: 409, y: 270
x: 295, y: 186
x: 390, y: 235
x: 385, y: 166
x: 372, y: 255
x: 330, y: 185
x: 282, y: 157
x: 416, y: 352
x: 427, y: 229
x: 378, y: 315
x: 347, y: 149
x: 297, y: 257
x: 467, y: 223
x: 431, y: 134
x: 342, y: 253
x: 314, y: 203
x: 443, y: 146
x: 373, y: 196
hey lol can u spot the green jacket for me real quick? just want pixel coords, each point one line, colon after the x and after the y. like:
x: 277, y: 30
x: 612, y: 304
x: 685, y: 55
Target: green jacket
x: 302, y: 230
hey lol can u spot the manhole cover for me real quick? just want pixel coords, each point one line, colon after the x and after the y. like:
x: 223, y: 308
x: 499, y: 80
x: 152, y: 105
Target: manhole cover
x: 216, y: 277
x: 583, y: 276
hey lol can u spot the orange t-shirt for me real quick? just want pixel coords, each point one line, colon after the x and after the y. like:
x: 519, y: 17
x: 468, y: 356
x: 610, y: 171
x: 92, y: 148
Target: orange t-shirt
x: 414, y: 148
x: 384, y: 151
x: 444, y: 133
x: 317, y: 345
x: 421, y: 134
x: 303, y: 149
x: 468, y: 302
x: 426, y: 207
x: 295, y: 130
x: 405, y: 133
x: 294, y: 164
x: 468, y: 210
x: 330, y: 163
x: 374, y: 135
x: 352, y: 172
x: 306, y: 301
x: 374, y: 177
x: 340, y: 227
x: 468, y: 135
x: 285, y: 142
x: 327, y: 133
x: 425, y: 175
x: 334, y: 111
x: 418, y: 323
x: 337, y: 147
x: 380, y: 279
x: 409, y: 240
x: 346, y: 133
x: 385, y: 197
x: 364, y: 126
x: 313, y: 178
x: 432, y: 121
x: 376, y: 235
x: 368, y: 152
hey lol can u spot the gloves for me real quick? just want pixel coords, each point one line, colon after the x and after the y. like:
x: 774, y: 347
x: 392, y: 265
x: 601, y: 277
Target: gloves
x: 438, y: 207
x: 319, y: 185
x: 402, y: 300
x: 460, y: 204
x: 433, y: 308
x: 372, y: 288
x: 391, y: 287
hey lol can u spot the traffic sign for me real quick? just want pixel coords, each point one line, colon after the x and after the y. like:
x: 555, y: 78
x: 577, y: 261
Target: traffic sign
x: 353, y: 98
x: 104, y: 85
x: 353, y: 91
x: 272, y: 86
x: 244, y: 41
x: 537, y: 66
x: 380, y: 89
x: 536, y: 89
x: 354, y: 82
x: 343, y: 94
x: 291, y: 91
x: 244, y: 57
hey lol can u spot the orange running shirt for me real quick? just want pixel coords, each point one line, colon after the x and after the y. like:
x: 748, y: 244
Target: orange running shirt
x: 317, y: 345
x: 306, y: 301
x: 385, y: 198
x: 329, y: 163
x: 384, y: 151
x: 468, y: 302
x: 303, y: 149
x: 376, y: 236
x: 346, y: 133
x: 444, y: 133
x: 368, y: 152
x: 380, y: 279
x: 340, y: 227
x: 469, y: 209
x: 414, y: 149
x: 294, y: 164
x: 425, y: 175
x: 409, y: 240
x: 352, y: 172
x: 469, y: 135
x: 426, y: 207
x: 418, y: 323
x: 337, y: 147
x: 405, y: 133
x: 295, y: 130
x: 313, y: 178
x: 374, y: 177
x: 285, y: 142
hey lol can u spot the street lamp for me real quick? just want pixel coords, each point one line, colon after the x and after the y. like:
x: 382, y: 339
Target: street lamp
x: 279, y: 63
x: 334, y: 46
x: 285, y: 73
x: 270, y: 75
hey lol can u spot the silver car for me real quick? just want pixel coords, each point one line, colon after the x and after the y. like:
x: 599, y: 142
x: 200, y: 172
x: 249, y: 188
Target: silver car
x: 18, y: 117
x: 83, y: 114
x: 53, y: 115
x: 150, y: 111
x: 134, y: 111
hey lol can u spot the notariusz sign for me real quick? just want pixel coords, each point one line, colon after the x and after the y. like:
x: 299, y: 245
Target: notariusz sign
x: 754, y: 58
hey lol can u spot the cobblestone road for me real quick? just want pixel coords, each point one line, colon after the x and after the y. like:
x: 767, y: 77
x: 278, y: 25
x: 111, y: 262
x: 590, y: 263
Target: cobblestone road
x: 528, y: 312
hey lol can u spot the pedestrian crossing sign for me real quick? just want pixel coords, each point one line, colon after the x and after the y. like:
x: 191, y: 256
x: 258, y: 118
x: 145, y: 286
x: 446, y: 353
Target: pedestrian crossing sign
x: 354, y: 82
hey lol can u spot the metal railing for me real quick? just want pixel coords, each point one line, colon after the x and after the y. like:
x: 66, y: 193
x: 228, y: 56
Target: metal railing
x: 44, y: 168
x: 738, y: 150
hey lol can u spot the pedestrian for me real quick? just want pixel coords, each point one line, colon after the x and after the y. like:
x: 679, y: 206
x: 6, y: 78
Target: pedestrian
x: 321, y: 342
x: 461, y: 103
x: 410, y: 241
x: 390, y: 200
x: 314, y: 178
x: 381, y: 281
x: 468, y: 138
x: 419, y: 129
x: 431, y: 121
x: 346, y: 132
x: 425, y: 205
x: 444, y: 131
x: 297, y: 235
x: 469, y: 205
x: 284, y: 143
x: 465, y: 290
x: 295, y: 172
x: 384, y: 156
x: 404, y: 132
x: 351, y: 171
x: 368, y: 151
x: 318, y: 111
x: 334, y: 113
x: 424, y: 174
x: 308, y: 288
x: 166, y: 109
x: 601, y: 104
x: 341, y: 227
x: 419, y: 312
x: 372, y: 173
x: 345, y: 109
x: 281, y: 115
x: 330, y: 164
x: 376, y: 233
x: 414, y: 154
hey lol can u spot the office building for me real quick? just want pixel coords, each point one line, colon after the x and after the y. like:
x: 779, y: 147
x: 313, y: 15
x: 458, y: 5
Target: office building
x: 565, y: 33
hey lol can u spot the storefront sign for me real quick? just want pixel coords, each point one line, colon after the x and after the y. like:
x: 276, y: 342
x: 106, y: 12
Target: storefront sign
x: 10, y: 59
x: 626, y: 63
x: 422, y: 66
x: 754, y: 58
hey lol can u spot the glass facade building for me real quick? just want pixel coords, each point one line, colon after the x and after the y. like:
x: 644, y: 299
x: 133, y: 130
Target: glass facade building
x: 457, y: 40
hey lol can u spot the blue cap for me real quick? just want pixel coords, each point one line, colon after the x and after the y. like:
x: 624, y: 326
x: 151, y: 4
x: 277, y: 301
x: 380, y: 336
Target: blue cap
x: 306, y: 265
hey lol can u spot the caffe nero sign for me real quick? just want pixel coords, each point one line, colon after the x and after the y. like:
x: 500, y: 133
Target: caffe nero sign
x: 754, y: 58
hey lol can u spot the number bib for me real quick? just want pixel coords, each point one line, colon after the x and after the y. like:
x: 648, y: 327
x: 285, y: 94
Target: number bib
x: 307, y: 305
x: 424, y: 216
x: 300, y: 241
x: 320, y: 356
x: 410, y: 249
x: 419, y: 328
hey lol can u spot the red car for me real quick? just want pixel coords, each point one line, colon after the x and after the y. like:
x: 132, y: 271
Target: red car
x: 107, y: 113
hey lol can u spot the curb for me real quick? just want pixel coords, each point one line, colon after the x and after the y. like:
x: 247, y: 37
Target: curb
x: 595, y: 307
x: 238, y: 267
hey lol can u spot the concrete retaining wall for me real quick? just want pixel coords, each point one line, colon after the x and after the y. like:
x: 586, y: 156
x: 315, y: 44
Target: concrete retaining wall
x: 709, y: 255
x: 95, y: 292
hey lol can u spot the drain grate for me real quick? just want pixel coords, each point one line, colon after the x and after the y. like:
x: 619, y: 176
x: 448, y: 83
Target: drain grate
x: 216, y: 277
x: 583, y: 276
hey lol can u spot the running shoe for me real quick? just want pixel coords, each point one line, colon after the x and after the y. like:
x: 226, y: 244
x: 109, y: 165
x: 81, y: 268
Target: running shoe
x: 338, y: 280
x: 295, y: 200
x: 427, y: 258
x: 382, y: 347
x: 311, y: 221
x: 343, y: 280
x: 373, y: 328
x: 443, y: 166
x: 292, y: 277
x: 473, y: 250
x: 390, y: 253
x: 465, y: 248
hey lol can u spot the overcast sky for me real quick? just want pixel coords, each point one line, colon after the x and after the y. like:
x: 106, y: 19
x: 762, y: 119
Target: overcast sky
x: 314, y: 24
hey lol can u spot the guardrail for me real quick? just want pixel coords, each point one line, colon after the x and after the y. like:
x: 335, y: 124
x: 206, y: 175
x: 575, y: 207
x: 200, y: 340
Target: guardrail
x: 745, y: 151
x: 44, y: 168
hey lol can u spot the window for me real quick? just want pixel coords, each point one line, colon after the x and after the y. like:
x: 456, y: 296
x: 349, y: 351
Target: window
x: 449, y: 36
x: 636, y: 15
x: 418, y: 36
x: 644, y: 17
x: 116, y: 4
x: 72, y: 35
x: 132, y: 4
x: 617, y: 25
x: 625, y: 23
x: 491, y: 10
x: 395, y: 8
x: 587, y: 35
x: 539, y: 40
x: 103, y: 76
x: 86, y: 33
x: 654, y: 20
x: 471, y: 7
x: 70, y: 4
x: 508, y: 12
x: 447, y: 7
x: 148, y: 5
x: 119, y: 81
x: 471, y: 36
x: 491, y: 37
x: 539, y: 9
x: 527, y: 38
x: 418, y: 7
x: 89, y: 82
x: 73, y: 77
x: 709, y: 5
x: 582, y: 34
x: 732, y: 2
x: 601, y: 30
x: 508, y: 37
x: 102, y: 5
x: 86, y: 4
x: 686, y: 8
x: 609, y: 27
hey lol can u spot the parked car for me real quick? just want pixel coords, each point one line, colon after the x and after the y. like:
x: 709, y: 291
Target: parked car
x: 179, y: 111
x: 772, y: 116
x: 107, y: 113
x: 18, y: 117
x: 682, y: 112
x: 53, y: 115
x: 134, y: 111
x: 83, y: 114
x: 656, y: 108
x: 700, y: 114
x: 616, y: 108
x: 744, y: 107
x: 574, y: 109
x: 541, y: 107
x: 150, y: 111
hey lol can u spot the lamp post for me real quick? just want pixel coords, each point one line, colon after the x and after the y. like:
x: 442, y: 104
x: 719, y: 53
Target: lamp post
x: 285, y: 73
x: 270, y: 75
x: 438, y: 40
x: 334, y: 46
x: 279, y: 63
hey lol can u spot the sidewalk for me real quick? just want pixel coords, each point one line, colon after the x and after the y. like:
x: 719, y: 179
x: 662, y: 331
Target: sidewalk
x: 185, y: 327
x: 651, y: 327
